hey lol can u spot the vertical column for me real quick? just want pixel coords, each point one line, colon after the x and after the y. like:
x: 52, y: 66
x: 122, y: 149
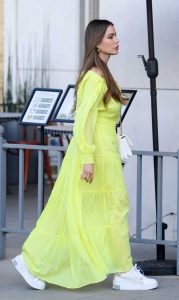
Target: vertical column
x: 93, y: 9
x: 1, y: 48
x: 87, y: 13
x: 81, y: 31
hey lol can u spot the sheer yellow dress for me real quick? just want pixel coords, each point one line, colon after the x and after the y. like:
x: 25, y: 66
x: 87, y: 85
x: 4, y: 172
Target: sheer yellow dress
x: 82, y: 234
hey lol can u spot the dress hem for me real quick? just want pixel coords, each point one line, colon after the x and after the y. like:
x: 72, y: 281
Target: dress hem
x: 76, y: 287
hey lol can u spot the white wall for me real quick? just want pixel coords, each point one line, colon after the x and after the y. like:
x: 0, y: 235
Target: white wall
x: 43, y: 29
x: 129, y: 18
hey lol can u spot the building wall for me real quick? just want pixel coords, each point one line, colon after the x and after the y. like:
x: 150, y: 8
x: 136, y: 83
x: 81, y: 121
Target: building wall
x: 44, y: 50
x: 129, y: 18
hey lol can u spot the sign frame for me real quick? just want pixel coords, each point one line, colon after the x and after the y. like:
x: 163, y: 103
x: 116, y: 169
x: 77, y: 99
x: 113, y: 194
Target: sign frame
x: 55, y: 118
x: 29, y: 106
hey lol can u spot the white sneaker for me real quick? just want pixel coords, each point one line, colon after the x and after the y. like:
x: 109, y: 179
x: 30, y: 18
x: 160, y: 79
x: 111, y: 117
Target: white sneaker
x: 21, y: 267
x: 133, y: 280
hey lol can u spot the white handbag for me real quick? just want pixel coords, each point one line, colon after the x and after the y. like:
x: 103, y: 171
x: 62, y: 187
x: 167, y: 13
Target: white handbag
x: 124, y: 145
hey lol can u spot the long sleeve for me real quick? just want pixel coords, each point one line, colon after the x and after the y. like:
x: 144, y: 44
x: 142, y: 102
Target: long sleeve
x: 89, y: 96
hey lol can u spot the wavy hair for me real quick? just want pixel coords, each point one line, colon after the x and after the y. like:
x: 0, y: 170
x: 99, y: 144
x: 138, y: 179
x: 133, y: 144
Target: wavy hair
x: 94, y: 34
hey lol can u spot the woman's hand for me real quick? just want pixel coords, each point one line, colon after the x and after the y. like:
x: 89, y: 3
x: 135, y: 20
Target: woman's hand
x: 87, y: 172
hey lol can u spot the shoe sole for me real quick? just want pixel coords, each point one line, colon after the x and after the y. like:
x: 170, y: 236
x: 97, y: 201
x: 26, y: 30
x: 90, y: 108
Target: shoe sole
x: 133, y: 288
x: 15, y: 264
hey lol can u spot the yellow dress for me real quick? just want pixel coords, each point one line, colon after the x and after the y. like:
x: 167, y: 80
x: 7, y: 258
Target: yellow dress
x: 82, y: 234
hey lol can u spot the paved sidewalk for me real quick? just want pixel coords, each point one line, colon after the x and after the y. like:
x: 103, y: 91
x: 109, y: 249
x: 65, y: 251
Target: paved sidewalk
x: 13, y: 287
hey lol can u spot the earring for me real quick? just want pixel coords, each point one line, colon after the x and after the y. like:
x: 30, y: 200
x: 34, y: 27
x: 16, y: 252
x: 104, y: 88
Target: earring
x: 98, y: 50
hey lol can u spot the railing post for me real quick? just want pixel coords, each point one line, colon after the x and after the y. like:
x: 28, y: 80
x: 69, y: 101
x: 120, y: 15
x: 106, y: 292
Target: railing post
x: 2, y: 195
x: 178, y: 214
x: 59, y: 160
x: 21, y: 188
x: 40, y: 183
x: 139, y: 197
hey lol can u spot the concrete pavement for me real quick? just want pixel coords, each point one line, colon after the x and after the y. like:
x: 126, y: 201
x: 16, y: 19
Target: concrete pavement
x: 12, y: 286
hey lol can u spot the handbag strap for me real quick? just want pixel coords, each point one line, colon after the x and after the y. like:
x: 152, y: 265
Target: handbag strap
x: 120, y: 123
x: 121, y: 129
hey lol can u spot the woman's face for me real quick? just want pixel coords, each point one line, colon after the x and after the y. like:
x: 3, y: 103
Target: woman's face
x: 110, y: 43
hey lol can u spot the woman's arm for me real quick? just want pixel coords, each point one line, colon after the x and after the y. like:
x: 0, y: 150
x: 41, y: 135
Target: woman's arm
x: 92, y: 91
x: 85, y: 122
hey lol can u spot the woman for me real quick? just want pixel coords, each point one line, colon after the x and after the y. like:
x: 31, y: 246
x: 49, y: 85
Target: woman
x: 82, y: 234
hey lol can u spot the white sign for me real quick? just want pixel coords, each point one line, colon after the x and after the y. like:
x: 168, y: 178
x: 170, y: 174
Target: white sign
x: 40, y: 107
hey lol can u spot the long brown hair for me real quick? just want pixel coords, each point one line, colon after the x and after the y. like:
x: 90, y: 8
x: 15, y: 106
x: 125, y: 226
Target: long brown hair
x: 94, y: 33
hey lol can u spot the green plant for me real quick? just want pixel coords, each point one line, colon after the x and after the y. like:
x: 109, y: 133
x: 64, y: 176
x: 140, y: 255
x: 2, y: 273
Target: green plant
x: 30, y: 77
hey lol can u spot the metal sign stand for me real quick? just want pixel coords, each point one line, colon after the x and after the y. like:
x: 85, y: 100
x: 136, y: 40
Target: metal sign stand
x: 38, y: 112
x: 42, y: 141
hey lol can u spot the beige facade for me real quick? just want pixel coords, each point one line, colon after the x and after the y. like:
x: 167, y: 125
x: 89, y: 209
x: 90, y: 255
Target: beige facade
x: 1, y: 48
